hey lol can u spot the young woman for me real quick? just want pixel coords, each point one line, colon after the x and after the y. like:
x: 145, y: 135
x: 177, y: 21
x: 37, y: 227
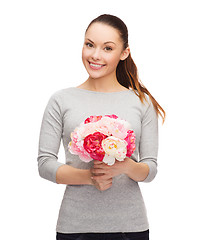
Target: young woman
x: 102, y: 201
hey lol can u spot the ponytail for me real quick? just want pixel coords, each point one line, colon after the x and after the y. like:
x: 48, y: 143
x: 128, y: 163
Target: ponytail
x: 127, y: 75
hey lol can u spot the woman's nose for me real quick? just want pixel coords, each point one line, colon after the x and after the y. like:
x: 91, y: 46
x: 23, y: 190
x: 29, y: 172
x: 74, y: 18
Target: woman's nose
x: 96, y: 54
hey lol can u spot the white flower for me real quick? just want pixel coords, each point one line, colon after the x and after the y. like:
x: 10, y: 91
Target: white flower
x: 109, y: 160
x: 114, y: 148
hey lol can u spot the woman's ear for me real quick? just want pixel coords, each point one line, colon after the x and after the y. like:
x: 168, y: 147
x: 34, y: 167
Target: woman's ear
x: 125, y: 54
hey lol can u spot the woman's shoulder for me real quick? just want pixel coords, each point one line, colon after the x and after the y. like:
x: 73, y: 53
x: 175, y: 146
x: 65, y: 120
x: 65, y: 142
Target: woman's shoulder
x: 62, y: 92
x: 60, y: 96
x: 146, y: 100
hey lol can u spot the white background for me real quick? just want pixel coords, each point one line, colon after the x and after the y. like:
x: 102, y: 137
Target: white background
x: 40, y: 53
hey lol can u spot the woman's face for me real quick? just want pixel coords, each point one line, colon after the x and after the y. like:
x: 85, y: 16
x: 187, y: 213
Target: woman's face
x: 102, y: 50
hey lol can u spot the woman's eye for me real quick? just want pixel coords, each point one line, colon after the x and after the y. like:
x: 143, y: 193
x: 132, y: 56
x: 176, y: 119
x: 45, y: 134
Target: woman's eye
x: 89, y: 45
x: 108, y: 48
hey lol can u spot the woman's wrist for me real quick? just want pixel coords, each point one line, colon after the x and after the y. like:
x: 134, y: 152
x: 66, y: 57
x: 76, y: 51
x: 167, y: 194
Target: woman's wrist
x: 135, y: 170
x: 88, y: 177
x: 127, y: 165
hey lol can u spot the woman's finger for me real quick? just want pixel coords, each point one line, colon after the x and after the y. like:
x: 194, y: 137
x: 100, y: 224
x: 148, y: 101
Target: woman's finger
x: 99, y: 166
x: 98, y: 170
x: 97, y: 162
x: 105, y: 187
x: 101, y: 178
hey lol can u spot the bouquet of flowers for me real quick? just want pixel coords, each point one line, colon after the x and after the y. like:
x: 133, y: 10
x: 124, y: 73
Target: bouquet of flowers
x: 104, y: 138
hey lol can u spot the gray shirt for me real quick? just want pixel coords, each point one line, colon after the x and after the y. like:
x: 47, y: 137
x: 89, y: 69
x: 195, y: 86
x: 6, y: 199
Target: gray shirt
x: 84, y: 208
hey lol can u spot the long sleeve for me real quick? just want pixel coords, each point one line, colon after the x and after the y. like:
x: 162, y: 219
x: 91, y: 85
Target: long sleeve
x: 148, y: 146
x: 49, y: 140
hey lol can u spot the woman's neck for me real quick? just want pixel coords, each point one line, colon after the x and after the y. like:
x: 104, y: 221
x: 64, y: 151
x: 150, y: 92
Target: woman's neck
x: 102, y: 85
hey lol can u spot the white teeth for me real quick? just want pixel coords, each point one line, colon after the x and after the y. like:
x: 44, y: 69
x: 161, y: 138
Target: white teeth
x: 95, y: 65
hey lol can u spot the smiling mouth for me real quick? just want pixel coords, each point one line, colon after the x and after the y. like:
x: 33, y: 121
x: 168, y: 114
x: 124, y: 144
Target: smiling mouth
x: 96, y: 66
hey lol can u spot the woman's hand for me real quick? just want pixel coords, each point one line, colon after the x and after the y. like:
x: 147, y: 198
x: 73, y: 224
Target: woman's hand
x: 103, y: 184
x: 102, y: 173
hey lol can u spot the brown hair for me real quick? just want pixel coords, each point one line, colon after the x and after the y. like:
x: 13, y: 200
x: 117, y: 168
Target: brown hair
x: 127, y: 73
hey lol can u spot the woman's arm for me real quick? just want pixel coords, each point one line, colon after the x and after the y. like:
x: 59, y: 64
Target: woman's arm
x: 136, y: 171
x: 49, y: 142
x: 73, y: 176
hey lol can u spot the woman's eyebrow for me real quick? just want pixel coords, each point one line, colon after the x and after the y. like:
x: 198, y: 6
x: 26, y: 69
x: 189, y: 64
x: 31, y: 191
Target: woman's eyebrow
x: 104, y: 43
x: 90, y: 40
x: 110, y: 42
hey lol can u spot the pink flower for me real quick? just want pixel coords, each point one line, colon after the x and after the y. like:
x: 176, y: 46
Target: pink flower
x: 130, y: 139
x: 93, y: 145
x: 111, y: 116
x: 92, y: 119
x: 115, y: 127
x: 104, y: 138
x: 75, y: 147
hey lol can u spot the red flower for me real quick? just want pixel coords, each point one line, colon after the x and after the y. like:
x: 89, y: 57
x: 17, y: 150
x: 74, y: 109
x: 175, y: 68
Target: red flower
x: 93, y: 145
